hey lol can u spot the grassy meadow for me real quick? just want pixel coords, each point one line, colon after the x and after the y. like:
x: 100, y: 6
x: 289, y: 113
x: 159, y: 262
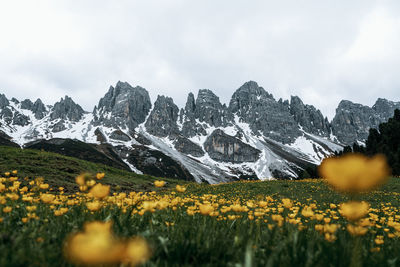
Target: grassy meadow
x: 93, y: 220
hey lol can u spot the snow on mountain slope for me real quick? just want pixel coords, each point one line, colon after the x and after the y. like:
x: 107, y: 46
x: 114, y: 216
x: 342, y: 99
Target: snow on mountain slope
x: 255, y: 137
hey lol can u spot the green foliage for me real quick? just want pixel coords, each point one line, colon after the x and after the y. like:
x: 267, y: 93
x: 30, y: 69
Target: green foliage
x: 61, y: 170
x: 202, y: 240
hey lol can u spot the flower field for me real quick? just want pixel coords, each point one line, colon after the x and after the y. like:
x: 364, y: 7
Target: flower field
x: 285, y: 223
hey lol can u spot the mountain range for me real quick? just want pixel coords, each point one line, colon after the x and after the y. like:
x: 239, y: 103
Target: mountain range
x: 255, y: 136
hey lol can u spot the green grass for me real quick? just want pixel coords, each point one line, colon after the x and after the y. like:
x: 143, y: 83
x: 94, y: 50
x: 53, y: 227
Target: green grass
x: 59, y: 170
x: 193, y: 240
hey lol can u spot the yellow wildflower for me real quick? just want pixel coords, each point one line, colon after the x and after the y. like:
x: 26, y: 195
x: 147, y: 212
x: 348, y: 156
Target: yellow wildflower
x: 44, y: 186
x: 206, y: 209
x: 93, y: 206
x: 100, y: 191
x: 355, y: 173
x: 287, y: 203
x: 379, y: 240
x: 180, y: 188
x: 7, y: 209
x: 136, y: 252
x: 97, y: 245
x: 47, y: 198
x: 100, y: 175
x: 354, y: 210
x: 356, y: 230
x: 159, y: 183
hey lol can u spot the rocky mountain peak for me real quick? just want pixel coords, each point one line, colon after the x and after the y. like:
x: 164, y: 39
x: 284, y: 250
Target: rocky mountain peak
x: 309, y: 117
x: 266, y: 116
x: 39, y: 109
x: 65, y: 109
x: 3, y: 101
x: 26, y: 104
x: 162, y: 119
x: 190, y: 106
x: 209, y: 109
x: 123, y: 106
x: 385, y: 108
x: 353, y: 121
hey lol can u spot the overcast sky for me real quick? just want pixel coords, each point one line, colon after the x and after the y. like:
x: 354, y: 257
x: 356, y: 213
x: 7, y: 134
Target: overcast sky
x: 322, y: 51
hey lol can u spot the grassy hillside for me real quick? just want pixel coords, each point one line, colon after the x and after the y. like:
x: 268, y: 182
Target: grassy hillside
x: 59, y: 170
x: 235, y: 224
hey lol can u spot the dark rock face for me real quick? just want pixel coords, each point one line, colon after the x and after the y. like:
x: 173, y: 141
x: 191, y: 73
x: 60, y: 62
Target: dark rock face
x: 385, y: 108
x: 190, y: 127
x: 20, y: 119
x: 209, y: 109
x: 27, y: 104
x: 59, y: 126
x: 154, y: 162
x: 120, y: 136
x: 225, y: 148
x: 309, y: 117
x: 39, y: 109
x: 253, y: 105
x: 353, y: 121
x: 10, y: 115
x: 187, y: 147
x: 3, y: 101
x: 163, y: 118
x: 66, y: 109
x: 100, y: 137
x: 123, y: 106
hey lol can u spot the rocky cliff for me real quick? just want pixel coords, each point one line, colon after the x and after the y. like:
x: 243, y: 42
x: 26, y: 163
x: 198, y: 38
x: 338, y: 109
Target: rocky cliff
x: 255, y: 136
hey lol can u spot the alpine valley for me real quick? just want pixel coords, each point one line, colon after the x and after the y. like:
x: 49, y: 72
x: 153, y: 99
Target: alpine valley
x: 254, y: 137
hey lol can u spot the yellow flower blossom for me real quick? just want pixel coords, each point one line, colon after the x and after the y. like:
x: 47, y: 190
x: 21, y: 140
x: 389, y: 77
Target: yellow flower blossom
x: 47, y: 198
x: 93, y: 206
x: 44, y: 186
x: 206, y: 209
x: 354, y: 210
x: 180, y: 188
x: 7, y: 209
x: 159, y: 183
x: 355, y: 173
x: 287, y: 203
x: 97, y: 245
x: 100, y: 191
x: 356, y: 230
x: 100, y: 175
x: 136, y: 252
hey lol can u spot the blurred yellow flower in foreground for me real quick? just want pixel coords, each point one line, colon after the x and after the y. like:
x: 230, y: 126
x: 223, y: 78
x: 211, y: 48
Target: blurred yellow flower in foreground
x: 355, y: 173
x: 354, y: 210
x: 136, y: 252
x: 356, y: 230
x: 159, y: 183
x: 97, y: 245
x: 100, y: 175
x: 206, y: 209
x: 7, y: 209
x: 47, y: 198
x: 93, y: 206
x: 100, y: 191
x: 287, y: 203
x: 180, y: 188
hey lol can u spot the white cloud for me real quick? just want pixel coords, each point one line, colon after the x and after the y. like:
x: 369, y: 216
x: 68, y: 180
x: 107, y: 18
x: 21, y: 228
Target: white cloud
x: 323, y: 51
